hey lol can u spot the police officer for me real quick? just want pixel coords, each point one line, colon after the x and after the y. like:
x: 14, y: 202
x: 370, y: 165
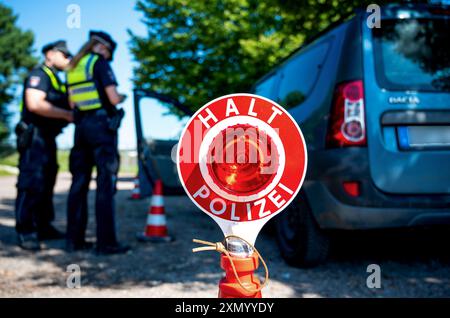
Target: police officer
x: 93, y: 94
x: 44, y: 112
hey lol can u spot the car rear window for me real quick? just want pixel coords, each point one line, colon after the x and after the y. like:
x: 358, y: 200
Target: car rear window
x: 412, y: 54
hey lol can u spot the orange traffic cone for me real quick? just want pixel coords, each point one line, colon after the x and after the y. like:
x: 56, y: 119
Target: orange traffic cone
x: 156, y: 228
x: 136, y: 193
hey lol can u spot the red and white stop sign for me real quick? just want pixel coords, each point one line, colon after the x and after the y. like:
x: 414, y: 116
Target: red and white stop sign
x: 242, y: 159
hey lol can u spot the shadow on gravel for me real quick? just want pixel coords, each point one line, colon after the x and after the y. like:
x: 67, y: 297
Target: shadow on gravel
x: 409, y: 256
x: 147, y: 264
x: 400, y: 245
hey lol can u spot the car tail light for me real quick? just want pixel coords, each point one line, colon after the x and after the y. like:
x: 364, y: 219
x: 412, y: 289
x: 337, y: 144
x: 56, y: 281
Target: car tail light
x: 440, y: 11
x: 352, y: 188
x: 347, y: 123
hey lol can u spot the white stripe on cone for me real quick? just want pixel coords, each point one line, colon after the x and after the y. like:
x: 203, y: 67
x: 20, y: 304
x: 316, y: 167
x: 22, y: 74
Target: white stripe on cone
x: 156, y: 219
x: 157, y: 200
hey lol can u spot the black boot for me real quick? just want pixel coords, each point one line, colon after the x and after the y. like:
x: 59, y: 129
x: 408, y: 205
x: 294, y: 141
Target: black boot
x: 29, y: 241
x: 112, y: 249
x: 50, y: 233
x: 82, y: 246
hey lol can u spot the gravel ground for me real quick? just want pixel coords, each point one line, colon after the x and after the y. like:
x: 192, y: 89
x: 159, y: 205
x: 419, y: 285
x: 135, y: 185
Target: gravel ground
x: 414, y: 263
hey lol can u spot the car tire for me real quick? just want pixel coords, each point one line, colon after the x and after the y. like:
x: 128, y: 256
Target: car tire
x: 302, y: 243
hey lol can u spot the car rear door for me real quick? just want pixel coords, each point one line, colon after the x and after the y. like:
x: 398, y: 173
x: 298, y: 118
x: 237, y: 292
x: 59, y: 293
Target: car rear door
x: 407, y: 95
x: 157, y: 134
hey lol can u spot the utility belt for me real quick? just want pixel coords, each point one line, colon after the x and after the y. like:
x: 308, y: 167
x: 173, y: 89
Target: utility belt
x: 115, y: 116
x: 25, y: 132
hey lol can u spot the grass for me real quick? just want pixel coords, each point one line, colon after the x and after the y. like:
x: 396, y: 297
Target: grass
x: 63, y: 162
x: 13, y: 160
x: 4, y: 173
x: 10, y: 160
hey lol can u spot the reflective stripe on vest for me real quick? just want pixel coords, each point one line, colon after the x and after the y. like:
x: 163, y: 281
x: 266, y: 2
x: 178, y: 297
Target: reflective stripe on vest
x: 54, y: 81
x: 56, y: 84
x: 83, y: 92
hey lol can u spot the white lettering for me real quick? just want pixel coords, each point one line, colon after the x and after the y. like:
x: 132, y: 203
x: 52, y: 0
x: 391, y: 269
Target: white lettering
x: 205, y: 120
x: 74, y: 279
x: 276, y: 112
x: 203, y: 192
x: 250, y: 109
x: 73, y: 20
x: 231, y: 107
x: 276, y: 200
x: 374, y: 19
x: 221, y: 202
x: 282, y: 186
x: 262, y: 204
x: 249, y: 212
x: 233, y: 211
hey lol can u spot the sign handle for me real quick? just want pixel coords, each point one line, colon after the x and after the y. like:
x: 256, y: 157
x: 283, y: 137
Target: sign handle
x: 220, y: 247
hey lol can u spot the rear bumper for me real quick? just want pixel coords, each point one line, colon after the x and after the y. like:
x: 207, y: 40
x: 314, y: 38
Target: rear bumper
x: 373, y: 209
x: 331, y: 213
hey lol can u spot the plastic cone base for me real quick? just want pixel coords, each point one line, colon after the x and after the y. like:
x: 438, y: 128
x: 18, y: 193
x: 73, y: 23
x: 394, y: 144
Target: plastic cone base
x: 135, y: 198
x: 154, y: 239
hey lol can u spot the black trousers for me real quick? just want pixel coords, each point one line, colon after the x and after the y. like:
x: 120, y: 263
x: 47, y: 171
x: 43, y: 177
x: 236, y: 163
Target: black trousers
x: 95, y: 145
x: 38, y: 168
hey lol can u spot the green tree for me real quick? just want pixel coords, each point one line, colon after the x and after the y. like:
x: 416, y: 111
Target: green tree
x: 15, y: 59
x: 198, y: 50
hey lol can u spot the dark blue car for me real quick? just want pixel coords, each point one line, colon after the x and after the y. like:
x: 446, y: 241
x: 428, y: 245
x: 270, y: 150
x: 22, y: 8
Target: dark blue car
x: 374, y: 107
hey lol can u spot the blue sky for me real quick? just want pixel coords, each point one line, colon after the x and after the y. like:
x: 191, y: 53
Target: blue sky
x: 48, y: 21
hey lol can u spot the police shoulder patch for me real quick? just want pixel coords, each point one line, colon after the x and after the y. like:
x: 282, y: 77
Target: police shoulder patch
x: 34, y: 81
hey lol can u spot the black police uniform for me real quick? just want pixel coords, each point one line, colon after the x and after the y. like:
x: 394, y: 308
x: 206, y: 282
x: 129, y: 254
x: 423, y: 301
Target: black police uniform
x: 95, y: 145
x: 38, y: 164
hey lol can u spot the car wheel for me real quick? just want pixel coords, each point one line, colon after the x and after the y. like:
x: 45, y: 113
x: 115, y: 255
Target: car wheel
x: 301, y: 241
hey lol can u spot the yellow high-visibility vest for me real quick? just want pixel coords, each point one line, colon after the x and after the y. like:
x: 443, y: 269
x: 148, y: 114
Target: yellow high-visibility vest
x: 80, y: 81
x: 54, y: 81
